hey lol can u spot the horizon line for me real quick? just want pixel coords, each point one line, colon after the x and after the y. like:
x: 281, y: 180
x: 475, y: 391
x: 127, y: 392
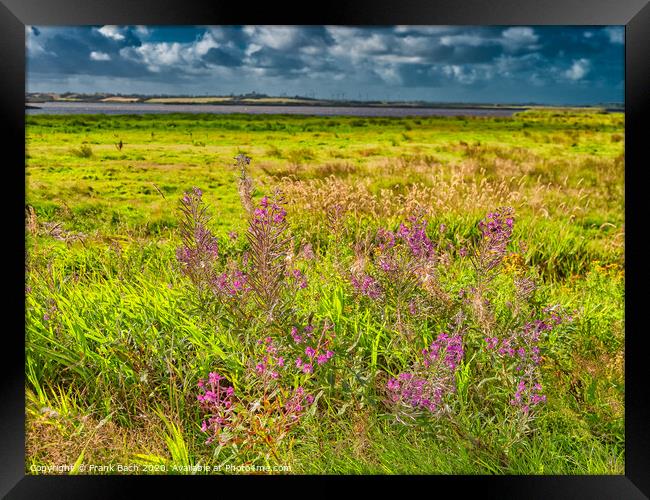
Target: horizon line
x: 330, y: 99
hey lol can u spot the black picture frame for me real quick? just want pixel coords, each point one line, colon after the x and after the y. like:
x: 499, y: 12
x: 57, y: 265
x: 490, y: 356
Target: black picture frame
x: 634, y: 14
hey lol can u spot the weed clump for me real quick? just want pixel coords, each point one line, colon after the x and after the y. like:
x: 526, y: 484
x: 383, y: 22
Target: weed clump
x: 83, y: 151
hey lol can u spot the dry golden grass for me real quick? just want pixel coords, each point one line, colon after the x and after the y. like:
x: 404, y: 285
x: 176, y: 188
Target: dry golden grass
x: 490, y: 176
x: 187, y: 100
x: 277, y: 100
x: 120, y: 99
x: 440, y: 195
x: 54, y: 440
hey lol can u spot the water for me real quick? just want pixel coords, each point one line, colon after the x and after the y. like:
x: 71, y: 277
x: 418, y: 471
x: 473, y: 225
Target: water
x: 111, y: 108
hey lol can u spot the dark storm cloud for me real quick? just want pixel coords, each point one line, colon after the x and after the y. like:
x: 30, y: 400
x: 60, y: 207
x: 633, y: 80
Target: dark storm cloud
x: 221, y: 57
x: 415, y: 75
x: 234, y: 36
x: 278, y: 60
x: 541, y: 63
x: 69, y: 51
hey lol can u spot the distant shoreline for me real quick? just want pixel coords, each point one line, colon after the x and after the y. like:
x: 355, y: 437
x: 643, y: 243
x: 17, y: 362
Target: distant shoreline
x: 113, y: 108
x: 297, y: 101
x: 127, y: 108
x: 320, y: 104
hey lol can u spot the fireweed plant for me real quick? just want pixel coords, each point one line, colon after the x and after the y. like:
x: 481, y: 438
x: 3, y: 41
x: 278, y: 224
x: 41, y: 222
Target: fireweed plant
x: 399, y: 274
x: 481, y: 348
x: 255, y: 293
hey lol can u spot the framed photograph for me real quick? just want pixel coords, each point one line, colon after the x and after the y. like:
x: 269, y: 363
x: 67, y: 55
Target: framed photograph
x: 359, y: 240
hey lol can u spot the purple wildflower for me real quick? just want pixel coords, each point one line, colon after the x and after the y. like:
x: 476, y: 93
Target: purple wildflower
x: 452, y: 347
x: 385, y: 239
x: 388, y: 264
x: 217, y: 403
x: 297, y: 403
x: 491, y: 342
x: 199, y: 250
x: 416, y: 238
x: 424, y: 388
x: 299, y: 278
x: 367, y: 285
x: 496, y: 230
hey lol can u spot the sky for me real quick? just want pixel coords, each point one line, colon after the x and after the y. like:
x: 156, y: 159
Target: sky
x: 578, y: 65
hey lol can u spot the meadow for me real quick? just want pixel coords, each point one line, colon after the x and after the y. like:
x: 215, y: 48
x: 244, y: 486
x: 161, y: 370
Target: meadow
x: 326, y: 295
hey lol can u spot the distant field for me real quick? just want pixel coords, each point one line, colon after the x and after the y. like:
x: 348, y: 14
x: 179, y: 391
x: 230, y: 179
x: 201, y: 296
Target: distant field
x: 210, y: 100
x: 280, y: 100
x: 188, y: 100
x: 116, y: 338
x: 120, y: 99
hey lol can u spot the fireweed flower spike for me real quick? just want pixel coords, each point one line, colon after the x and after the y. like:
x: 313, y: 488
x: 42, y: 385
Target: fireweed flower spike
x: 496, y: 231
x: 264, y: 275
x: 299, y: 279
x: 416, y: 238
x: 217, y: 403
x: 296, y: 337
x: 522, y: 344
x: 397, y: 270
x: 424, y: 388
x: 199, y: 250
x: 367, y: 285
x: 198, y: 255
x: 268, y: 238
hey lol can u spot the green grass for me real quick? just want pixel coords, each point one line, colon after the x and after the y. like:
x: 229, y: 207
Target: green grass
x: 115, y: 343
